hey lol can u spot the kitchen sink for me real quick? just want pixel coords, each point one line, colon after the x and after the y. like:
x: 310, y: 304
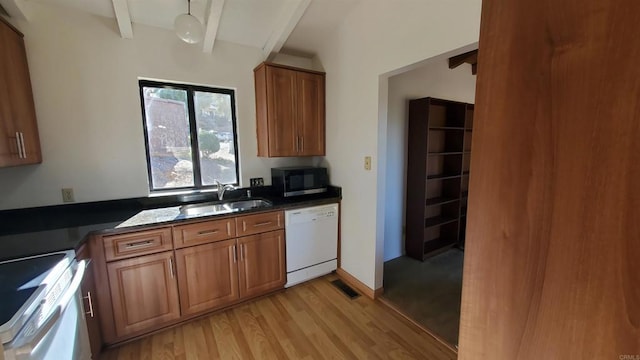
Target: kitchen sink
x: 249, y: 204
x: 215, y: 208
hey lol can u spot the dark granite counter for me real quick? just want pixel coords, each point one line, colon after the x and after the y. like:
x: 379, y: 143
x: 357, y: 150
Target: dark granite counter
x: 26, y: 232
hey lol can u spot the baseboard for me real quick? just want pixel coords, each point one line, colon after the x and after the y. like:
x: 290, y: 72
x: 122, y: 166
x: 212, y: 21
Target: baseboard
x: 358, y: 285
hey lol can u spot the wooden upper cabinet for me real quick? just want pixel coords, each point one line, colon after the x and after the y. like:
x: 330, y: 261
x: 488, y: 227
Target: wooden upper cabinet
x: 144, y: 293
x: 311, y: 110
x: 19, y: 139
x: 290, y: 111
x: 261, y: 267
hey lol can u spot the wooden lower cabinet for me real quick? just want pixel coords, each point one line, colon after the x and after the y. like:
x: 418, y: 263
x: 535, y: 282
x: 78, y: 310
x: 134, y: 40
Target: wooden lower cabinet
x: 144, y: 292
x: 140, y: 292
x: 207, y: 276
x: 88, y: 290
x: 262, y: 263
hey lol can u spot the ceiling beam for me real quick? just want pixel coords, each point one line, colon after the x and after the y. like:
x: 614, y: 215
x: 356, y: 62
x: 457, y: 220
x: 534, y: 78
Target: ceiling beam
x: 123, y: 17
x: 15, y: 9
x: 287, y: 21
x: 213, y: 22
x: 470, y: 57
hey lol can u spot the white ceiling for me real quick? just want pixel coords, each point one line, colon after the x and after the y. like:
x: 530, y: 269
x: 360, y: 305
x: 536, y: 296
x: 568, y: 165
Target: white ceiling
x: 321, y: 18
x: 246, y: 22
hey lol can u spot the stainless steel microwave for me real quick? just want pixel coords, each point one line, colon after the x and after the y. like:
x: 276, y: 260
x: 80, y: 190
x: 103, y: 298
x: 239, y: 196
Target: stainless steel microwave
x: 293, y: 181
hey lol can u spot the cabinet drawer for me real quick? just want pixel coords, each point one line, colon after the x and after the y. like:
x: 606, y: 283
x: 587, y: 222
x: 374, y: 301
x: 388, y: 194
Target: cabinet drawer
x: 138, y: 243
x: 254, y: 224
x: 203, y: 232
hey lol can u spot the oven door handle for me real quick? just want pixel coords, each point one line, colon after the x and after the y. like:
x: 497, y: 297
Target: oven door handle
x: 74, y: 286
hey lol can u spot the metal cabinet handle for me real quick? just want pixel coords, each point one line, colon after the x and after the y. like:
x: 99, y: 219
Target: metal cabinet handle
x: 205, y: 232
x: 235, y: 257
x: 20, y: 145
x: 171, y: 266
x: 24, y: 149
x: 138, y: 244
x: 90, y: 301
x: 20, y: 149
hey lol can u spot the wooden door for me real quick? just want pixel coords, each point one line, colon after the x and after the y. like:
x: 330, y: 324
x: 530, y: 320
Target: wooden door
x: 553, y: 238
x: 262, y: 263
x: 17, y: 107
x: 281, y: 112
x: 207, y: 276
x: 310, y: 114
x: 144, y: 292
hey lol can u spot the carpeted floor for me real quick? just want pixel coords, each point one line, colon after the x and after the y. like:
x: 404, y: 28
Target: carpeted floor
x: 428, y: 292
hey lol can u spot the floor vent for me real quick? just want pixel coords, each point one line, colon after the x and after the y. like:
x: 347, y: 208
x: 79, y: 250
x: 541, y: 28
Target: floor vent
x: 352, y: 294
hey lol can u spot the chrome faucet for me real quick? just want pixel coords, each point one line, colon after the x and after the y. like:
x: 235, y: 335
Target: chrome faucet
x: 222, y: 188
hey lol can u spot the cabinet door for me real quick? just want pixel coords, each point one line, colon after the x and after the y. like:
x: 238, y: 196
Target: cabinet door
x: 310, y: 114
x: 144, y: 292
x: 88, y: 289
x: 259, y: 223
x: 207, y: 276
x: 281, y: 112
x: 203, y: 232
x: 8, y: 141
x: 17, y: 108
x: 262, y: 265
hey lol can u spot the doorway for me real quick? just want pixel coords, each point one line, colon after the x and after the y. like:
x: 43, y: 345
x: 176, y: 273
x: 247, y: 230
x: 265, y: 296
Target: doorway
x: 427, y: 292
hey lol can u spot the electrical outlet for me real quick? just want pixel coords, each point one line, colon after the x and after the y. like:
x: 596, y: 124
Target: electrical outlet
x: 67, y: 195
x: 367, y: 162
x: 253, y: 182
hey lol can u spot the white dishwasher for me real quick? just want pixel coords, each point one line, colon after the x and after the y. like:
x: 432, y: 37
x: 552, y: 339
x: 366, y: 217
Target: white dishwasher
x: 312, y: 242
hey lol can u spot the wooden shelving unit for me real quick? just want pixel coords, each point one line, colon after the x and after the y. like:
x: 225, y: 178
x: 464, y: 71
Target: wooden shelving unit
x: 438, y: 175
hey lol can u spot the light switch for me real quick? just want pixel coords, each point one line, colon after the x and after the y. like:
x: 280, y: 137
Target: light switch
x: 367, y: 162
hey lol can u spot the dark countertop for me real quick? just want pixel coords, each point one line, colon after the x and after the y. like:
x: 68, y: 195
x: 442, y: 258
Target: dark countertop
x: 26, y: 232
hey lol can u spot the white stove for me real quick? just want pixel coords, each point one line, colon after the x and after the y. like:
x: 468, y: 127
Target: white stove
x: 41, y: 313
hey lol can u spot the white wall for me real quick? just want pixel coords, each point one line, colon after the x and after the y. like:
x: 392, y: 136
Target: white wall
x: 85, y: 85
x: 434, y: 79
x: 377, y: 38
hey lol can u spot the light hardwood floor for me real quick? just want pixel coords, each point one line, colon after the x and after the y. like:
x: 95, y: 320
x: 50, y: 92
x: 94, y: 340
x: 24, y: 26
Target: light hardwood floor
x: 309, y: 321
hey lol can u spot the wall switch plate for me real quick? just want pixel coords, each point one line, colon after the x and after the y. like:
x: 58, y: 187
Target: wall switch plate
x: 67, y: 195
x: 367, y: 162
x: 253, y: 182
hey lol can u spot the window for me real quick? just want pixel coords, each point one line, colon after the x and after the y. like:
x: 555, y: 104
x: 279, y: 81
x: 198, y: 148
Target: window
x: 190, y: 135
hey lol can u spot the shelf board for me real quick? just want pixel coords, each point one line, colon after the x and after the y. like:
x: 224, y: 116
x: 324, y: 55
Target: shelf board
x: 440, y: 201
x: 446, y: 128
x: 445, y: 153
x: 443, y: 177
x: 438, y: 220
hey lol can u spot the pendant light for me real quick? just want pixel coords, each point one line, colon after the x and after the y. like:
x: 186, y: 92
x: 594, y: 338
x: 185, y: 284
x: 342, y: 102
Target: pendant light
x: 188, y: 27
